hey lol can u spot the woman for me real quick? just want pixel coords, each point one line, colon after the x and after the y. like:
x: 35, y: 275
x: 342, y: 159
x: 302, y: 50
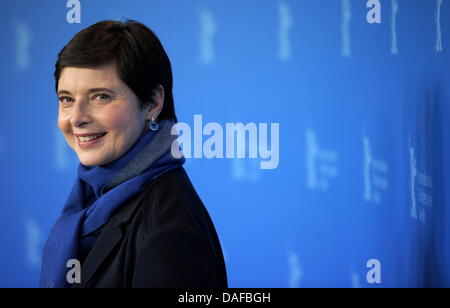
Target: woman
x: 133, y: 218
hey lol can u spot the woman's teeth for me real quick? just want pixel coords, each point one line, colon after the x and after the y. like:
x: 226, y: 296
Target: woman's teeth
x: 89, y: 138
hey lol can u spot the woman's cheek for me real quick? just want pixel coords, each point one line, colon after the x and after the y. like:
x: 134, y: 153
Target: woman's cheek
x: 117, y: 120
x: 64, y: 124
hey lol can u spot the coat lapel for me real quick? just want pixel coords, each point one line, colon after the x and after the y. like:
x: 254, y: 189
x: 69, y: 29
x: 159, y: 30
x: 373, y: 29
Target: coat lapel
x: 109, y: 238
x: 106, y: 242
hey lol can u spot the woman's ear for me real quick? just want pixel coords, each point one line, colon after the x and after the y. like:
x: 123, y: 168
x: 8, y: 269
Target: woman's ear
x: 158, y: 102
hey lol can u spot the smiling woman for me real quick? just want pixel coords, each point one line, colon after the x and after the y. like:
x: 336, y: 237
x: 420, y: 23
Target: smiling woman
x: 113, y: 110
x: 133, y: 217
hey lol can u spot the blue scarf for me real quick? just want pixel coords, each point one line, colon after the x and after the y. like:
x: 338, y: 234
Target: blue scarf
x: 97, y: 193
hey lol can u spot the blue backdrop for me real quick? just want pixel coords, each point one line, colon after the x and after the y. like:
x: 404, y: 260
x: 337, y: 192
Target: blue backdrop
x: 363, y: 122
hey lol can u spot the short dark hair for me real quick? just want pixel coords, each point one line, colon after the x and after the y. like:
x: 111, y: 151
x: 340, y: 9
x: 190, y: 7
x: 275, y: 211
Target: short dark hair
x: 141, y: 61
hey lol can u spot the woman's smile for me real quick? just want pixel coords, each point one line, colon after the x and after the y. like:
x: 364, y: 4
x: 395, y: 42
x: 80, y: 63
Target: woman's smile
x: 86, y: 141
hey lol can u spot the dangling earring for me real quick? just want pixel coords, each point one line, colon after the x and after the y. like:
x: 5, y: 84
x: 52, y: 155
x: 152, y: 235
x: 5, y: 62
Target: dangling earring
x: 154, y: 126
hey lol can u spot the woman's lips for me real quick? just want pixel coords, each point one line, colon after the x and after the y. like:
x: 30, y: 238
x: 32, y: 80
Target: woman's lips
x: 90, y: 143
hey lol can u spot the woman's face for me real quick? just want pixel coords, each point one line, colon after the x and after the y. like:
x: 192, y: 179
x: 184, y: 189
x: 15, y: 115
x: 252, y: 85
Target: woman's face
x: 94, y: 102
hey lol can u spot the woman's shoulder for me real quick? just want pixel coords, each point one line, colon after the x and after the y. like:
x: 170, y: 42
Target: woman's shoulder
x: 171, y: 201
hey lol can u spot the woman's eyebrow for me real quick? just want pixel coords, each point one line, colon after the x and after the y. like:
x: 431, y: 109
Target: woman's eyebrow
x: 88, y: 91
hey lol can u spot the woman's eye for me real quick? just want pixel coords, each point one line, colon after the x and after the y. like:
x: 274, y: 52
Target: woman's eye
x: 102, y: 97
x: 65, y: 99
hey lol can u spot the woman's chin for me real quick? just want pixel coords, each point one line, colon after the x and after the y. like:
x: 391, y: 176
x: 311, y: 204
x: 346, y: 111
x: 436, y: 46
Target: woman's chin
x: 91, y: 161
x: 94, y: 160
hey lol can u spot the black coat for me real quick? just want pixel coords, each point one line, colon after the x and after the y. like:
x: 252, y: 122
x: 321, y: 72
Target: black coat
x: 162, y: 237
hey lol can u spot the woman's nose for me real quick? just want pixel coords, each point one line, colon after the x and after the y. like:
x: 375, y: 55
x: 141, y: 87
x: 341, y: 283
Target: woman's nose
x: 80, y: 114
